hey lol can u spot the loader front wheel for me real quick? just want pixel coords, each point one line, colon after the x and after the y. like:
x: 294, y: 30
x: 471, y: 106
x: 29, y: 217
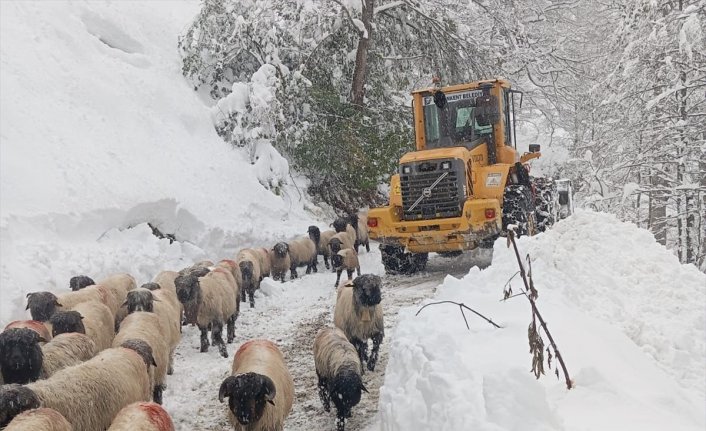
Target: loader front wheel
x: 518, y: 210
x: 397, y: 261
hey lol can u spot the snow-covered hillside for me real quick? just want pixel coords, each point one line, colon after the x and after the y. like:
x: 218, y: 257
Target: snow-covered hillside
x: 628, y: 318
x: 102, y: 134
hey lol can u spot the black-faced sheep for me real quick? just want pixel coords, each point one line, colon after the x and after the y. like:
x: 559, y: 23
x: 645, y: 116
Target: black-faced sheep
x: 260, y: 390
x: 150, y: 328
x: 321, y: 239
x: 42, y: 305
x: 250, y: 264
x: 91, y: 318
x: 41, y: 419
x: 89, y: 394
x: 78, y: 282
x: 280, y: 261
x: 213, y: 299
x: 164, y: 292
x: 343, y: 225
x: 340, y: 241
x: 338, y: 369
x: 41, y: 328
x: 21, y: 356
x: 302, y: 252
x: 359, y: 315
x: 360, y: 224
x: 143, y: 416
x: 66, y: 350
x: 346, y: 259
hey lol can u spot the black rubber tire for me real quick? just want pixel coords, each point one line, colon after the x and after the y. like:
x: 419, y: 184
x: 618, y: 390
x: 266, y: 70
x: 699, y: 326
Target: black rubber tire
x: 488, y: 243
x: 518, y: 209
x: 450, y: 254
x: 397, y: 261
x: 546, y: 202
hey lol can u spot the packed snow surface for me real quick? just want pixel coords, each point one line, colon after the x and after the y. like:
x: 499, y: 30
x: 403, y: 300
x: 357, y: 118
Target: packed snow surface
x: 628, y: 318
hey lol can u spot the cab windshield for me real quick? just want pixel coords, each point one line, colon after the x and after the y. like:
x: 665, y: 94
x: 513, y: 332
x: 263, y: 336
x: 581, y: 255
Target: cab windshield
x: 454, y: 125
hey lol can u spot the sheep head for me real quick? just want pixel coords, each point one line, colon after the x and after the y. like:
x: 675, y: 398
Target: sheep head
x: 246, y: 269
x: 281, y: 249
x: 42, y: 305
x: 20, y: 355
x: 141, y: 348
x: 314, y: 234
x: 139, y: 300
x: 247, y: 396
x: 346, y: 389
x: 337, y: 260
x: 353, y: 220
x: 187, y: 288
x: 335, y: 244
x: 15, y: 399
x: 80, y: 281
x: 67, y: 321
x: 339, y: 225
x: 367, y: 290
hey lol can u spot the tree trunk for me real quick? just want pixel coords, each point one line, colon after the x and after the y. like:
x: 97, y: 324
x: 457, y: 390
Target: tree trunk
x: 361, y: 55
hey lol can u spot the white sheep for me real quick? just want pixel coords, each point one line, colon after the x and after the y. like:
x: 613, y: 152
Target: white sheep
x: 168, y: 304
x: 66, y: 350
x: 264, y: 257
x: 142, y: 416
x: 213, y: 299
x: 148, y: 327
x: 345, y: 259
x: 338, y: 369
x: 91, y: 318
x: 359, y: 221
x: 90, y: 394
x: 302, y: 252
x: 260, y: 390
x: 359, y: 315
x: 41, y: 419
x: 250, y: 263
x: 280, y: 261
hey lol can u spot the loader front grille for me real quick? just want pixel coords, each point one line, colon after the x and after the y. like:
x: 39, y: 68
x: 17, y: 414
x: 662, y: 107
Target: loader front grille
x: 443, y: 200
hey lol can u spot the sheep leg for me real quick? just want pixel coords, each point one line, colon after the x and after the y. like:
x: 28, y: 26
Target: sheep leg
x: 377, y: 340
x: 314, y: 263
x: 350, y: 273
x: 170, y: 369
x: 242, y: 296
x: 217, y: 338
x: 367, y: 246
x: 326, y: 262
x: 157, y: 394
x: 338, y: 277
x: 324, y: 393
x: 230, y: 328
x: 362, y: 348
x: 293, y: 270
x: 251, y: 294
x: 204, y: 338
x: 357, y: 268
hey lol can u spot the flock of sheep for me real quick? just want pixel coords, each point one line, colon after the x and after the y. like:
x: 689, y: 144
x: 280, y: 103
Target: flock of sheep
x: 97, y: 357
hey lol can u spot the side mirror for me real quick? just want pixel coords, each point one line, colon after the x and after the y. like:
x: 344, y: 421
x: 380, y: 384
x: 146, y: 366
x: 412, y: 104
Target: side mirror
x: 534, y: 148
x: 486, y: 112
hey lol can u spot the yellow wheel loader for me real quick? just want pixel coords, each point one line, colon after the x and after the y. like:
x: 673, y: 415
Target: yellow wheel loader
x: 465, y: 183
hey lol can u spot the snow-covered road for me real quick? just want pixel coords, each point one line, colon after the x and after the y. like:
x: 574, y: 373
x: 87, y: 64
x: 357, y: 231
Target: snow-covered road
x: 290, y: 314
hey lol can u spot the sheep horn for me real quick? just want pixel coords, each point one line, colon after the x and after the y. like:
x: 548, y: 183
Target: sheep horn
x: 225, y: 388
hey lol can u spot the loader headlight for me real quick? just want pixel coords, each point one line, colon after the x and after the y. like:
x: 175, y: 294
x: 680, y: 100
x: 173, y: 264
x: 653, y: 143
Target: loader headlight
x: 406, y: 169
x: 446, y: 165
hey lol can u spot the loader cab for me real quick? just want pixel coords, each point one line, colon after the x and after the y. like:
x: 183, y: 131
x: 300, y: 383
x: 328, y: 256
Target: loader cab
x: 465, y: 116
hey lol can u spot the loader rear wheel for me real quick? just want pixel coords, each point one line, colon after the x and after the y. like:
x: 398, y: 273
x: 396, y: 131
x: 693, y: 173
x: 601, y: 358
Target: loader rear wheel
x: 397, y: 261
x: 518, y: 209
x: 546, y: 202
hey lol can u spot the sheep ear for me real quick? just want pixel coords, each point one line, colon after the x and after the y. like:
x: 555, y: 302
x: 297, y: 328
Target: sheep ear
x: 270, y: 390
x: 41, y: 339
x: 363, y: 388
x: 226, y: 388
x: 29, y: 294
x: 152, y: 360
x: 56, y: 302
x: 124, y: 304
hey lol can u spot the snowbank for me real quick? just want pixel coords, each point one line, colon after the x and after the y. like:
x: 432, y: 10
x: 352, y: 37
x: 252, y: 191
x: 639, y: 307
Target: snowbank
x: 628, y: 318
x: 101, y: 134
